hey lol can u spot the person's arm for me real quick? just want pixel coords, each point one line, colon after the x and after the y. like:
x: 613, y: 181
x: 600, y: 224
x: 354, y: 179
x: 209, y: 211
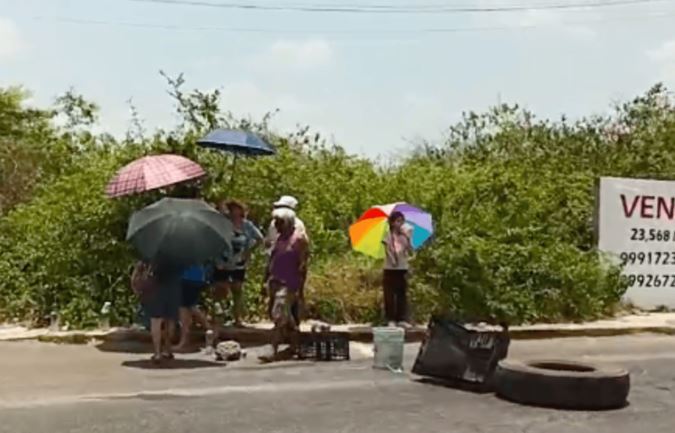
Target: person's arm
x: 268, y: 271
x: 303, y: 251
x: 303, y: 247
x: 409, y: 246
x: 254, y: 237
x: 391, y: 256
x: 257, y: 236
x: 263, y: 286
x: 301, y: 229
x: 223, y: 258
x: 271, y: 235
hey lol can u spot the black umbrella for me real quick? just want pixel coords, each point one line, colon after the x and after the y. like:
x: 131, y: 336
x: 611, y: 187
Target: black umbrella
x: 180, y: 232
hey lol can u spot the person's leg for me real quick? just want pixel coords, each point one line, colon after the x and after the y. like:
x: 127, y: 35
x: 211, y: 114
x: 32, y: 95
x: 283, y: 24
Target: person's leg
x: 185, y: 325
x: 237, y: 301
x: 389, y: 296
x: 277, y: 337
x: 279, y: 317
x: 402, y: 298
x: 294, y: 341
x: 156, y: 332
x: 190, y: 294
x: 169, y: 330
x: 153, y: 308
x: 278, y: 330
x: 200, y: 318
x: 270, y: 301
x: 295, y: 313
x: 172, y: 301
x: 297, y: 308
x: 293, y: 328
x: 221, y: 289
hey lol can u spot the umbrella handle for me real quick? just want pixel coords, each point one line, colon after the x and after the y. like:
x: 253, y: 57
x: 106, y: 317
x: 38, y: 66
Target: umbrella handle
x: 233, y: 166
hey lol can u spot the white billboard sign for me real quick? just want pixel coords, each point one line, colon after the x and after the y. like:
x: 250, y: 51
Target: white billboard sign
x: 636, y: 224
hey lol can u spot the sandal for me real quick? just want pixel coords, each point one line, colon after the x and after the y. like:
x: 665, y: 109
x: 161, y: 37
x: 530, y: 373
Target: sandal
x: 168, y: 356
x: 156, y: 359
x: 266, y: 359
x: 181, y: 349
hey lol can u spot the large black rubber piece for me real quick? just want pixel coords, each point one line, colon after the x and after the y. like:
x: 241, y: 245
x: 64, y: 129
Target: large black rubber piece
x: 562, y: 384
x: 452, y: 353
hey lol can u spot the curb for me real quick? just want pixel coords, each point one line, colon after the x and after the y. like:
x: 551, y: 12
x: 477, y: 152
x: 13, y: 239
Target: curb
x: 543, y: 334
x: 262, y: 336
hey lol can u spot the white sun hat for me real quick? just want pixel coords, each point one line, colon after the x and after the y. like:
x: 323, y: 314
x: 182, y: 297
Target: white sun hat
x: 287, y: 201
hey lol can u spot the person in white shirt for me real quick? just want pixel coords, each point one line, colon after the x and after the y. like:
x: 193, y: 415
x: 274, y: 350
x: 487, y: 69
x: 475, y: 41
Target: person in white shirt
x: 398, y: 249
x: 285, y: 202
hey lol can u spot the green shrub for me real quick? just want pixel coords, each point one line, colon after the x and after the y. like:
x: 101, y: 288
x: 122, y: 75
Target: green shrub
x: 511, y: 196
x: 64, y: 250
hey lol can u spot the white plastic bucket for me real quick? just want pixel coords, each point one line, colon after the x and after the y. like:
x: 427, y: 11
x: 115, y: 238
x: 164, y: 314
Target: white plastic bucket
x: 388, y: 347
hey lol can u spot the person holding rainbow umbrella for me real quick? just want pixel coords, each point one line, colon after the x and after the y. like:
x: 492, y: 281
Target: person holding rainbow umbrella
x: 392, y: 232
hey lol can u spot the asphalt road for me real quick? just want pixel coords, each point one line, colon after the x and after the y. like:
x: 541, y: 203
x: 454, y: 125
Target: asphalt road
x: 45, y: 388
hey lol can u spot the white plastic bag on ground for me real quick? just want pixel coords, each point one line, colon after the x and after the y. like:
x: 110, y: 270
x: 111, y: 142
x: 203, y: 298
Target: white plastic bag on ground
x: 229, y: 351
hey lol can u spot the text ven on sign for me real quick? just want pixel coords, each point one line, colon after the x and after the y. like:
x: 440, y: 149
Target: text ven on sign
x: 648, y: 206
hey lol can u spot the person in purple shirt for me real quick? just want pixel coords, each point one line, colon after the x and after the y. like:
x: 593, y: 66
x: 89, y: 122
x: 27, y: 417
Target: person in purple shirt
x: 285, y: 278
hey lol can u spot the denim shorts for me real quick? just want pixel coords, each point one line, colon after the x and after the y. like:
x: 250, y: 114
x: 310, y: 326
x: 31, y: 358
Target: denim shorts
x: 229, y: 276
x: 190, y: 293
x: 164, y: 303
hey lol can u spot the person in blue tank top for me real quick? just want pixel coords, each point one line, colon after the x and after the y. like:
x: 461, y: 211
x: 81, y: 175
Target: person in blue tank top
x: 193, y: 282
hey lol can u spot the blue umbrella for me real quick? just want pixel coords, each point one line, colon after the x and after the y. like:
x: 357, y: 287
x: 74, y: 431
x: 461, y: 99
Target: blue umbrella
x: 237, y: 142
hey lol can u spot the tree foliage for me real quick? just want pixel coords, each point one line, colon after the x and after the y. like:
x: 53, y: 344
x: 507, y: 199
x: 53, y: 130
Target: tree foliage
x: 511, y: 195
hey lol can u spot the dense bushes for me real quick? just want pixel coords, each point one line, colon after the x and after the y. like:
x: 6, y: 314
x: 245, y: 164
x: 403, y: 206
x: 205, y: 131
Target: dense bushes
x: 512, y: 198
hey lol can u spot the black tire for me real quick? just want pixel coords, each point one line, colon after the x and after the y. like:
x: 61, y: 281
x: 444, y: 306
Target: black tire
x: 562, y: 384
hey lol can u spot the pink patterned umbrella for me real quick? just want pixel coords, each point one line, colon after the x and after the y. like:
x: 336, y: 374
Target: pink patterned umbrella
x: 152, y: 172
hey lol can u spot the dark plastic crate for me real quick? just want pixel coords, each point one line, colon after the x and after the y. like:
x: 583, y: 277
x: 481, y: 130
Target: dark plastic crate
x: 452, y: 352
x: 324, y: 346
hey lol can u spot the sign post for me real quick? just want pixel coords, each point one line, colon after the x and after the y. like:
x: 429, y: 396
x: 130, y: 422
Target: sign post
x: 636, y: 226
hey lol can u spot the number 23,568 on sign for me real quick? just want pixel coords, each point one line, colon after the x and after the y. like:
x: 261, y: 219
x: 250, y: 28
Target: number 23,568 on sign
x: 651, y: 235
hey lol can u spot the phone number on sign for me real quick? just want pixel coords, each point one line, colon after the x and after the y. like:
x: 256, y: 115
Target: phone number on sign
x: 651, y: 280
x: 651, y: 235
x: 647, y: 258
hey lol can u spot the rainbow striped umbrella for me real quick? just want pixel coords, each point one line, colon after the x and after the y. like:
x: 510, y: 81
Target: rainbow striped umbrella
x: 368, y: 232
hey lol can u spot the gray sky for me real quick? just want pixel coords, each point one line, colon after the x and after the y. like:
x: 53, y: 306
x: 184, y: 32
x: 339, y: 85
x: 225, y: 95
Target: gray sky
x: 373, y: 81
